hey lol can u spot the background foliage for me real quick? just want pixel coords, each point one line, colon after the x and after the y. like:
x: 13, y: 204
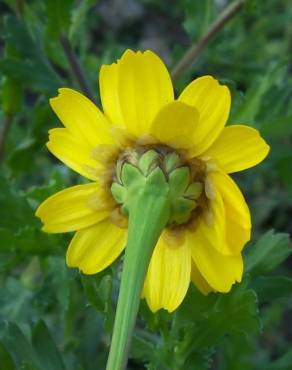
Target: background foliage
x: 53, y: 318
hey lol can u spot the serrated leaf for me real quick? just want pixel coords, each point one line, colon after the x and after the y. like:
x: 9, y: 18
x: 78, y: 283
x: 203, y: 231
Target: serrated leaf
x: 29, y: 62
x: 41, y: 79
x: 267, y: 253
x: 234, y: 313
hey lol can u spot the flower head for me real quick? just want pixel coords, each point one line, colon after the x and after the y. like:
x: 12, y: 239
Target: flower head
x: 144, y: 127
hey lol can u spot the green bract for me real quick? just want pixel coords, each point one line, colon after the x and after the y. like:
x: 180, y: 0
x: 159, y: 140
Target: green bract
x: 151, y: 168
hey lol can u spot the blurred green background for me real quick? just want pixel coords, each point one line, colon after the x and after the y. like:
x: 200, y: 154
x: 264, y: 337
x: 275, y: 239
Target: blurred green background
x: 54, y: 318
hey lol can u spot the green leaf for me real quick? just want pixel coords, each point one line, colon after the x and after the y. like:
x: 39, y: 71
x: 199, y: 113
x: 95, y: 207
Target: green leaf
x: 269, y: 288
x: 29, y: 62
x: 267, y: 253
x: 59, y: 277
x: 202, y: 321
x: 40, y: 78
x: 20, y: 230
x: 19, y: 347
x: 198, y: 16
x: 234, y: 313
x: 14, y: 204
x: 79, y: 17
x: 98, y: 290
x: 282, y: 363
x: 46, y: 349
x: 11, y: 96
x: 6, y: 362
x: 38, y: 194
x: 142, y: 349
x: 250, y: 107
x: 59, y: 16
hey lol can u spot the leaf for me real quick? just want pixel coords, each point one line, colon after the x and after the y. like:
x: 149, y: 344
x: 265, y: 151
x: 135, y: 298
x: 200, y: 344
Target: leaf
x: 30, y: 139
x: 46, y: 349
x: 79, y: 17
x: 98, y: 290
x: 59, y: 16
x: 234, y: 313
x: 11, y: 96
x: 267, y: 253
x: 198, y: 16
x: 142, y: 349
x: 20, y: 230
x: 19, y: 347
x: 250, y: 107
x: 40, y: 78
x: 58, y: 277
x: 29, y: 62
x: 236, y: 354
x: 38, y: 194
x: 269, y: 288
x: 202, y: 321
x: 6, y: 362
x: 282, y: 363
x: 15, y: 301
x: 16, y: 206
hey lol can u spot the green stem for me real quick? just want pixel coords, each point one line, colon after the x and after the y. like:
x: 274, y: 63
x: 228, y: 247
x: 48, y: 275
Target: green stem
x: 148, y: 215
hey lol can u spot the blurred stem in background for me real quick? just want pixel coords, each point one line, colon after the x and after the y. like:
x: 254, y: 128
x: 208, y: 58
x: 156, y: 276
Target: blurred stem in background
x: 195, y: 50
x: 76, y: 67
x: 7, y: 121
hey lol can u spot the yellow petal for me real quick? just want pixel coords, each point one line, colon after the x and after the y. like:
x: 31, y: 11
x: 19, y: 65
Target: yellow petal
x: 232, y: 197
x: 175, y: 125
x: 220, y: 271
x: 238, y: 221
x: 237, y: 148
x: 81, y: 117
x: 144, y: 87
x: 168, y: 276
x: 213, y: 224
x: 96, y: 247
x: 199, y: 281
x: 212, y: 101
x: 73, y: 208
x: 108, y: 84
x: 75, y: 153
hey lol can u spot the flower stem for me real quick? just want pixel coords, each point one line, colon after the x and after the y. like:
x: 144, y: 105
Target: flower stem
x: 148, y: 214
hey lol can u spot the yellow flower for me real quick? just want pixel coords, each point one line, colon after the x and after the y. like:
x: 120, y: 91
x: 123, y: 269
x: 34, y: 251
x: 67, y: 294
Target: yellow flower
x: 141, y: 114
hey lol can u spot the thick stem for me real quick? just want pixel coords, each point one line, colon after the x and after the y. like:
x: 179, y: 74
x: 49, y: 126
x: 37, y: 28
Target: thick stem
x: 148, y: 215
